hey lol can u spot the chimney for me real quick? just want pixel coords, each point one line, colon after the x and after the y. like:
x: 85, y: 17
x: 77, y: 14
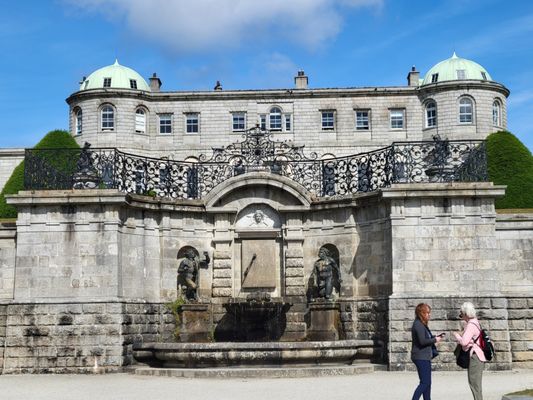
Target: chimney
x: 413, y: 77
x: 155, y: 83
x: 300, y: 80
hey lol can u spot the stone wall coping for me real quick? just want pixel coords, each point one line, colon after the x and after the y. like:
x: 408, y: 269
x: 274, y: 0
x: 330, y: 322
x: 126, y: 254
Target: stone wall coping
x: 452, y: 189
x: 13, y: 152
x: 74, y: 196
x: 515, y: 221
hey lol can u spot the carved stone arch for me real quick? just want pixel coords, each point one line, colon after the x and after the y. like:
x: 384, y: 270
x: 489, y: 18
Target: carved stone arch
x: 249, y: 181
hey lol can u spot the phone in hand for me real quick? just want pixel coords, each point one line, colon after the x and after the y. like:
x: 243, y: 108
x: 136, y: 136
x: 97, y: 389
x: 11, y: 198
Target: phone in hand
x: 442, y: 334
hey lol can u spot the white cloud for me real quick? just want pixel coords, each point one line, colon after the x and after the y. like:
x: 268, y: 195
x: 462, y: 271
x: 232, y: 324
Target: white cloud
x: 198, y: 25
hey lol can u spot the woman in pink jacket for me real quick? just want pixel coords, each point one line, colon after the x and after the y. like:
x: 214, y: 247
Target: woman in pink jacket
x: 469, y: 340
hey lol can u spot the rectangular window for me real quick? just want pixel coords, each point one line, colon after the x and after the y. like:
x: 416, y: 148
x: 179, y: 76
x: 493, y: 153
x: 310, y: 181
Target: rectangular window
x: 461, y: 74
x: 107, y: 82
x: 434, y: 78
x: 238, y: 121
x: 397, y: 118
x: 328, y: 120
x: 362, y: 120
x: 288, y: 122
x: 484, y: 76
x: 263, y: 121
x: 192, y: 123
x: 133, y: 84
x: 165, y: 124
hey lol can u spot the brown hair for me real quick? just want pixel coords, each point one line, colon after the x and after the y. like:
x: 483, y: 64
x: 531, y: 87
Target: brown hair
x: 418, y: 311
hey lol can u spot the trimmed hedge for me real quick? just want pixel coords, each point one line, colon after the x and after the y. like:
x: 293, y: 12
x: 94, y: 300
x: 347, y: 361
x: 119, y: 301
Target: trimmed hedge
x: 53, y: 140
x: 510, y: 163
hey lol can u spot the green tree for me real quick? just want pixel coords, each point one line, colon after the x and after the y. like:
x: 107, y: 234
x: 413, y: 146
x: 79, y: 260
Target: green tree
x: 511, y: 163
x: 56, y: 139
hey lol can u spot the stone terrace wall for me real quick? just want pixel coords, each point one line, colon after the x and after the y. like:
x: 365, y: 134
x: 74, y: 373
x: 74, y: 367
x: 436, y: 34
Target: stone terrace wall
x: 78, y: 337
x: 515, y: 238
x: 493, y: 314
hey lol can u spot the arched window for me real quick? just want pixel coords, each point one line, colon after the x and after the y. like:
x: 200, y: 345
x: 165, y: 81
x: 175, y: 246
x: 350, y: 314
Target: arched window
x: 466, y: 111
x: 275, y: 119
x: 496, y: 113
x: 431, y: 115
x: 140, y: 120
x: 78, y: 121
x: 108, y: 117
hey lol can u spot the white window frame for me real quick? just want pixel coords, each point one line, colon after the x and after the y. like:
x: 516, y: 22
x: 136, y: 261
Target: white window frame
x: 107, y: 118
x: 263, y: 121
x: 435, y: 78
x: 275, y: 120
x: 238, y: 121
x: 327, y: 118
x: 496, y: 113
x: 140, y: 120
x: 192, y: 123
x: 165, y: 124
x: 397, y: 118
x: 461, y: 74
x: 360, y: 120
x: 133, y: 84
x: 287, y: 122
x: 431, y: 114
x: 107, y: 82
x: 78, y: 121
x: 466, y: 110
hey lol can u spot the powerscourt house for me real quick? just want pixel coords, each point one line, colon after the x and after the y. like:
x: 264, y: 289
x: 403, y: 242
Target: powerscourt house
x: 390, y: 181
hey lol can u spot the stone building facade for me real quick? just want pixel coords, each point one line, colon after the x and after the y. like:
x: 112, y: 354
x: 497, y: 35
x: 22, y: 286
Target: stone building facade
x: 86, y: 274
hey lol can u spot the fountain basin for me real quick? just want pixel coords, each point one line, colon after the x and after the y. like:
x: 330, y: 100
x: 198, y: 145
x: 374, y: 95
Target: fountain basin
x: 264, y: 354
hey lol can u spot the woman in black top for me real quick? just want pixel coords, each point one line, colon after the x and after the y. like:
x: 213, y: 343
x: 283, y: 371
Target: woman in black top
x: 423, y: 350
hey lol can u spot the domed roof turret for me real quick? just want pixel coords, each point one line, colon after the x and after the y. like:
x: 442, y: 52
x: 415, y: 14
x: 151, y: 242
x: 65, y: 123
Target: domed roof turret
x: 115, y: 76
x: 456, y: 69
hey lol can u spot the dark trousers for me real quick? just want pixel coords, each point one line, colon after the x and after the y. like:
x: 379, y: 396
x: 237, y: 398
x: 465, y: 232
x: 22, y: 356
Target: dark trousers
x: 424, y: 374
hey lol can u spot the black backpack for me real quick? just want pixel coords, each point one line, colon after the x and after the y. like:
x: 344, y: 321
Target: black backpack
x: 485, y: 343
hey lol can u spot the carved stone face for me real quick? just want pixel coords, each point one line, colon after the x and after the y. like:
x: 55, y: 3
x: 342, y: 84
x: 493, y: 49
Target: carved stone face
x: 258, y: 216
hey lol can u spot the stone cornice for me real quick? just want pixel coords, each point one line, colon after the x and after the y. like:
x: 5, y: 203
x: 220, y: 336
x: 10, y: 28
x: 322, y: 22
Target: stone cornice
x: 267, y: 94
x: 462, y: 85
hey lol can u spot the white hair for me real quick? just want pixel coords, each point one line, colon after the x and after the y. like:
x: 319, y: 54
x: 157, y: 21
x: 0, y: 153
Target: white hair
x: 468, y: 309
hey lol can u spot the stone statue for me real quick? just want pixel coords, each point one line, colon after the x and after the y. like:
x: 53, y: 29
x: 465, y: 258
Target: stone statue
x: 188, y: 273
x: 323, y: 272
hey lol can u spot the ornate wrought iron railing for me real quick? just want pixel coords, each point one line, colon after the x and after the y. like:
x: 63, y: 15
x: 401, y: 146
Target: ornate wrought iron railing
x: 402, y: 162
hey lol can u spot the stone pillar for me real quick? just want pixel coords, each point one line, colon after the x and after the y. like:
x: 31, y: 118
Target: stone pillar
x: 294, y: 279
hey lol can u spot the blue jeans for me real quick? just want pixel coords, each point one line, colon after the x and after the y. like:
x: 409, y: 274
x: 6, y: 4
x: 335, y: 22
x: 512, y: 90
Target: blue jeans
x: 424, y: 374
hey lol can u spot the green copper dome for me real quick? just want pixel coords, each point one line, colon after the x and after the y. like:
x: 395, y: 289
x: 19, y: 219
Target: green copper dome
x: 456, y: 69
x: 115, y: 76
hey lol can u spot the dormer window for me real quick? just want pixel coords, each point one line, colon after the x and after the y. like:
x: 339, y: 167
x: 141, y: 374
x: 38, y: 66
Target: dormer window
x: 434, y: 78
x: 107, y: 82
x: 461, y: 74
x: 483, y: 75
x: 133, y: 84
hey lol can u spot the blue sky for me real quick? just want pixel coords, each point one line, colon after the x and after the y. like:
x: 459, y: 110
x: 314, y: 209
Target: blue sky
x: 48, y: 45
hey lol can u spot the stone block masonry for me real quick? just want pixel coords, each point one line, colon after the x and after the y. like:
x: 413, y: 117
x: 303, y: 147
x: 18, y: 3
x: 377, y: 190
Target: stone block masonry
x: 80, y: 337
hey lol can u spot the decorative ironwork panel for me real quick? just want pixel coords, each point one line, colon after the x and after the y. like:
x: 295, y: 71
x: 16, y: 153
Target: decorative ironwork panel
x: 402, y: 162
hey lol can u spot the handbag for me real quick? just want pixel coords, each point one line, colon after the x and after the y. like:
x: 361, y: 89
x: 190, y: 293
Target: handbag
x: 462, y: 357
x: 434, y: 351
